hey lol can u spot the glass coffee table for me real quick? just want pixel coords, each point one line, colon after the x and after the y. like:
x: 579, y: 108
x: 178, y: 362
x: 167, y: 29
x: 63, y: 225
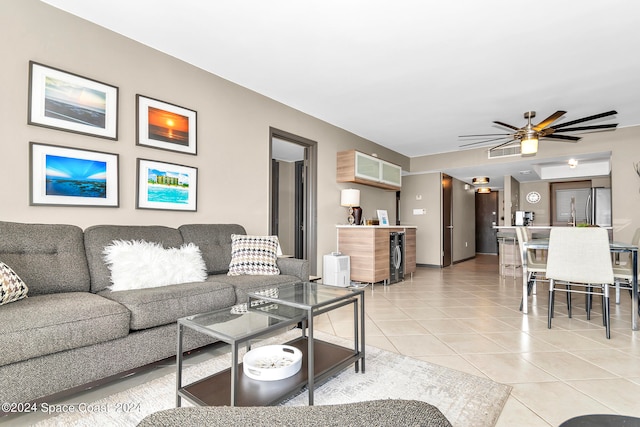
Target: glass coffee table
x: 235, y: 326
x: 269, y: 312
x: 314, y: 299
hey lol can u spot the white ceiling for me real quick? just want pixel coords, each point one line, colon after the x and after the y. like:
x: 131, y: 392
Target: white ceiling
x: 410, y: 75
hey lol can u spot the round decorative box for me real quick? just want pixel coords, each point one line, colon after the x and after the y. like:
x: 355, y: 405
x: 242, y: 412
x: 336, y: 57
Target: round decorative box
x: 272, y: 362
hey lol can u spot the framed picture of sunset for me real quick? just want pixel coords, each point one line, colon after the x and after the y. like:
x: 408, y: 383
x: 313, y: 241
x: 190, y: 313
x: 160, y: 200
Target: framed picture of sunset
x: 165, y: 126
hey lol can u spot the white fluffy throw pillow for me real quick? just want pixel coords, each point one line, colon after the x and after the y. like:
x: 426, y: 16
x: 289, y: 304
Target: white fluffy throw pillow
x: 137, y: 264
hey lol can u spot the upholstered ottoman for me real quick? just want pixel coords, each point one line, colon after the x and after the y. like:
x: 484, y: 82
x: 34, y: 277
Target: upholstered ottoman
x: 392, y: 412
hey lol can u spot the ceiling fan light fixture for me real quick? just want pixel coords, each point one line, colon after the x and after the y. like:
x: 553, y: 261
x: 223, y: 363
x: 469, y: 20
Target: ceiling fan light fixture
x: 480, y: 180
x: 529, y: 145
x: 484, y: 190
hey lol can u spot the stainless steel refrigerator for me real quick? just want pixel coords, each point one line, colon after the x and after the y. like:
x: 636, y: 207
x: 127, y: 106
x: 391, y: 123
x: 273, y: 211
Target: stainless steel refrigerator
x: 598, y: 207
x: 583, y: 206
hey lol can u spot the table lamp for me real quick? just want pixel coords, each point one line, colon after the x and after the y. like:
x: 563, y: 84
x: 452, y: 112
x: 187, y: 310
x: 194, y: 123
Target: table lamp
x: 350, y: 198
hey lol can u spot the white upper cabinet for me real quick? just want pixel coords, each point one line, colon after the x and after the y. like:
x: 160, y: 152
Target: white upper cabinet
x: 354, y: 166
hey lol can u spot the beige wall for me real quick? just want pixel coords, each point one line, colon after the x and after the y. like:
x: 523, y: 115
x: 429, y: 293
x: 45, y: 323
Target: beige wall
x: 424, y: 191
x: 541, y: 210
x: 233, y: 129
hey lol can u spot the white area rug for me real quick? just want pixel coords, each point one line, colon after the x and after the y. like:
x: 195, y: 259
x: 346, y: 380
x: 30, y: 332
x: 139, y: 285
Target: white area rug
x: 466, y: 400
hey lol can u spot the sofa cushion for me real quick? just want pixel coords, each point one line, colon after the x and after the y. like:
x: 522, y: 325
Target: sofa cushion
x: 136, y: 264
x: 244, y: 284
x: 253, y: 255
x: 214, y: 240
x: 159, y: 306
x: 45, y: 324
x: 389, y: 412
x: 49, y: 257
x: 97, y: 237
x: 12, y: 288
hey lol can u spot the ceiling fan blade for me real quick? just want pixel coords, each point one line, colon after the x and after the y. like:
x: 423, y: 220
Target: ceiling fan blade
x: 482, y: 142
x: 586, y: 119
x: 609, y: 126
x: 552, y: 118
x: 506, y: 125
x: 502, y: 145
x: 484, y: 134
x: 563, y: 137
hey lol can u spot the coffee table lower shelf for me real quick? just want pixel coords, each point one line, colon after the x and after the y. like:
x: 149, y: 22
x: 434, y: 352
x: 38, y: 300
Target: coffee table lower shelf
x: 215, y: 390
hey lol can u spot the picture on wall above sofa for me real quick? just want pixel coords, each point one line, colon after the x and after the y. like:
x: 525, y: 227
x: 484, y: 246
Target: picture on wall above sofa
x: 73, y: 177
x: 69, y: 102
x: 165, y: 126
x: 166, y: 186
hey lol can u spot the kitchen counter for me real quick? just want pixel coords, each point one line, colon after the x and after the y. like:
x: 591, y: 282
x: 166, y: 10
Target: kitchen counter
x: 368, y: 247
x: 374, y: 226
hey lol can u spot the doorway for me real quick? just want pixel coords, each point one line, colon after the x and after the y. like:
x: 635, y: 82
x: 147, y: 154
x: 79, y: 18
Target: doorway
x: 447, y: 219
x: 486, y: 218
x: 293, y: 194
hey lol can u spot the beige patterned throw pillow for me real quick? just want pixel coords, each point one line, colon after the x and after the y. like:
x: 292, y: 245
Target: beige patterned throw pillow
x: 12, y: 288
x: 253, y: 255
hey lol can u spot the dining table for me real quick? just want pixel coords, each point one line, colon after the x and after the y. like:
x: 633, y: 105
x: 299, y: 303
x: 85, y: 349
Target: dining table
x: 614, y: 247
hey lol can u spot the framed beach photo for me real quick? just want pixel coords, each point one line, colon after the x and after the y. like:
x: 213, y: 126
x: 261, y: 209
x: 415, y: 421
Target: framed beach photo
x: 166, y: 186
x: 165, y: 126
x: 66, y: 101
x: 64, y: 176
x: 383, y: 217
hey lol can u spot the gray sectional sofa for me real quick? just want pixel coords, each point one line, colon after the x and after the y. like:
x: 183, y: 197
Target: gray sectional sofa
x: 72, y: 330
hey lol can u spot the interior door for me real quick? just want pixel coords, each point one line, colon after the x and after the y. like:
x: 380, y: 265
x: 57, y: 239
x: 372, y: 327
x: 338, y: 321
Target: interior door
x: 293, y: 205
x: 299, y: 215
x: 447, y: 219
x: 486, y: 218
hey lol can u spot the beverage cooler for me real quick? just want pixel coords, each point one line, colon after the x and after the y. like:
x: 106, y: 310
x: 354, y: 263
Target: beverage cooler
x: 396, y: 257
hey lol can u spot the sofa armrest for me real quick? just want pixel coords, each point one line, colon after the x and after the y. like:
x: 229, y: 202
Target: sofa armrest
x: 294, y: 267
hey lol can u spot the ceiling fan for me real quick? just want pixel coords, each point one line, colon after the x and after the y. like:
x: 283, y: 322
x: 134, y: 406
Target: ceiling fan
x: 529, y: 135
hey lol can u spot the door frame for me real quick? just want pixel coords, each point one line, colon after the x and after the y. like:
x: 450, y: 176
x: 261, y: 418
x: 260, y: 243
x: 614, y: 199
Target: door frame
x: 447, y: 220
x: 310, y: 214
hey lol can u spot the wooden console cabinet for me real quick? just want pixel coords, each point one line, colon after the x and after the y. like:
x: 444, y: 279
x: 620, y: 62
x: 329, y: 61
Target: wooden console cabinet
x: 368, y: 249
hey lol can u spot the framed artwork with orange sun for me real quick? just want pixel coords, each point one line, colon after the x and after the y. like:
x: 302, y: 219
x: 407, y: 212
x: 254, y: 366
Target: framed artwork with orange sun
x: 165, y: 126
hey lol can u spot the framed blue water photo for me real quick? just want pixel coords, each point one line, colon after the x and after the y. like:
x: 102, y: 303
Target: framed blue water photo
x: 66, y: 101
x: 166, y: 186
x: 64, y: 176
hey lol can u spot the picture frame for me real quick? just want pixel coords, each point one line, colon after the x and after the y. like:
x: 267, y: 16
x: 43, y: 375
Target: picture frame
x: 69, y: 102
x: 64, y: 176
x: 166, y: 186
x: 165, y: 126
x: 383, y: 217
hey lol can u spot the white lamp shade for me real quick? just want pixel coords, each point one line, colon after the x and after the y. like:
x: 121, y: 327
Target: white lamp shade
x: 350, y: 197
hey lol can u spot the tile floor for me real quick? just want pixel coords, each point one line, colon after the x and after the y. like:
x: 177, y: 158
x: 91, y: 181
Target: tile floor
x: 466, y: 317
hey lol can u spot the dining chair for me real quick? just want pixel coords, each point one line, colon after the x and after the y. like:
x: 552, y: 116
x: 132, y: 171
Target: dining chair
x: 580, y: 257
x: 536, y: 266
x: 623, y: 270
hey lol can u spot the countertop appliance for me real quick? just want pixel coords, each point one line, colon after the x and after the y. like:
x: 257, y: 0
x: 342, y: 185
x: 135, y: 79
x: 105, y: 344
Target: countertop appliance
x: 524, y: 218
